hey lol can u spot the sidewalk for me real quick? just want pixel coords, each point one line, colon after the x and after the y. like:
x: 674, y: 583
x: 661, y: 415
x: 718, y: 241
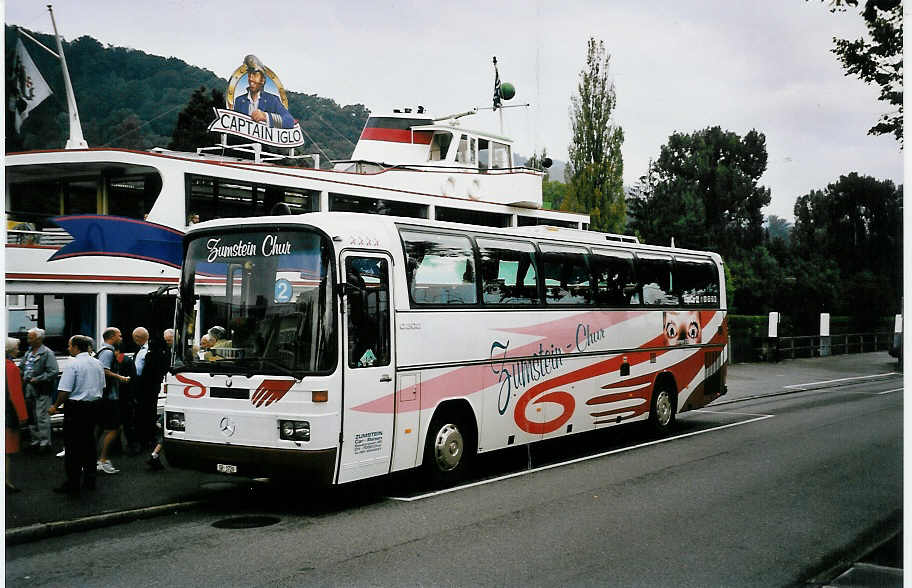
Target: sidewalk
x: 135, y: 492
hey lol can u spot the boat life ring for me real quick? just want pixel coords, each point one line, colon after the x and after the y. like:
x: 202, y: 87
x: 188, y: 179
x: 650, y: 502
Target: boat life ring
x: 474, y: 189
x: 449, y: 186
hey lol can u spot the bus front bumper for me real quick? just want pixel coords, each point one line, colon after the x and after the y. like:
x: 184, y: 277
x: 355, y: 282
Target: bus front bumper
x: 315, y: 466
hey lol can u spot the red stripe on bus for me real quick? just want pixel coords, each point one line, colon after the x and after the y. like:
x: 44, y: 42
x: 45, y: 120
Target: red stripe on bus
x: 90, y: 278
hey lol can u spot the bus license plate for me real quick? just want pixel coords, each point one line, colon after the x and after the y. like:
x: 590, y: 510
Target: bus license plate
x: 226, y: 468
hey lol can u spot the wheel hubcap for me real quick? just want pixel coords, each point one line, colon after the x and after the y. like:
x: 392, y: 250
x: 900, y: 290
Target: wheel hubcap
x: 663, y: 408
x: 448, y: 448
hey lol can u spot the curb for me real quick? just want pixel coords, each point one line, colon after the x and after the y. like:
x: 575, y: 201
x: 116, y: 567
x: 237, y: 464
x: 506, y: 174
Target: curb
x: 54, y: 529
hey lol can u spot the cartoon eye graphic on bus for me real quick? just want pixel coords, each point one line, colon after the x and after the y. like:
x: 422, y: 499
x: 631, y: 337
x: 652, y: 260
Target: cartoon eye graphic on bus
x: 682, y: 328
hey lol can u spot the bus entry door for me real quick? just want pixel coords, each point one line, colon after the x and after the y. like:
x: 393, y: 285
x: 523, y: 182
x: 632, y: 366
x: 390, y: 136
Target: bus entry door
x: 369, y: 367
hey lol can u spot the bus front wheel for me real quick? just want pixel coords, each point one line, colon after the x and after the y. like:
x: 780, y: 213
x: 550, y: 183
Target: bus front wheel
x: 449, y: 449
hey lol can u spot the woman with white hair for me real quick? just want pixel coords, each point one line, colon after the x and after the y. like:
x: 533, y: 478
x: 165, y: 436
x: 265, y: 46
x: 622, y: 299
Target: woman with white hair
x: 16, y: 413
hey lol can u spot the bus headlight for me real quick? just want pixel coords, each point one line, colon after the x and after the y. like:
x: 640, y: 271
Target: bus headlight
x: 294, y: 430
x: 175, y: 421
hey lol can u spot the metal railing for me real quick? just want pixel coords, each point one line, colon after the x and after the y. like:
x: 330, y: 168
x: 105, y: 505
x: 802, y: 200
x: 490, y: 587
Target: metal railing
x: 751, y: 349
x: 48, y: 237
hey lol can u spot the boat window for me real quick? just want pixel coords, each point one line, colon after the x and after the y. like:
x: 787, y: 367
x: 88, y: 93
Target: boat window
x: 440, y: 144
x: 211, y: 197
x: 500, y: 156
x: 128, y: 311
x: 132, y: 196
x: 35, y: 203
x: 531, y: 221
x: 466, y: 151
x: 483, y: 155
x: 566, y: 274
x: 440, y: 268
x: 401, y: 124
x: 60, y: 315
x: 508, y: 272
x: 349, y: 203
x: 472, y: 217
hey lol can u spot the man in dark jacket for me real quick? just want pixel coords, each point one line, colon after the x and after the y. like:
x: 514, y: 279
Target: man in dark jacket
x: 39, y: 381
x: 152, y: 361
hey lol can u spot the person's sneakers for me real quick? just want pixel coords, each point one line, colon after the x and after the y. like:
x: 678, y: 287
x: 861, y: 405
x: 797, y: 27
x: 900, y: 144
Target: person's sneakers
x: 62, y: 453
x: 155, y: 463
x: 106, y: 467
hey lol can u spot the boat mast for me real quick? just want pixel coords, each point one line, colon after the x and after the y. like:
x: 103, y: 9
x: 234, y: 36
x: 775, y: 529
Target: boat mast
x: 76, y: 140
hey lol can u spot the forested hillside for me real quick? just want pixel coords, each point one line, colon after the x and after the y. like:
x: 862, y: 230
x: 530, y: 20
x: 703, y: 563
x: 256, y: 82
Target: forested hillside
x: 128, y: 98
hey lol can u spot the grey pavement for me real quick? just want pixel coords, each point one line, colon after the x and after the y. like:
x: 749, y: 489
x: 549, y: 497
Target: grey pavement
x: 37, y: 512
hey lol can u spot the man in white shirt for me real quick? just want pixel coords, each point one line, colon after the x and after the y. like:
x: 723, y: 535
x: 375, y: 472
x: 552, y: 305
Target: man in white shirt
x: 80, y: 387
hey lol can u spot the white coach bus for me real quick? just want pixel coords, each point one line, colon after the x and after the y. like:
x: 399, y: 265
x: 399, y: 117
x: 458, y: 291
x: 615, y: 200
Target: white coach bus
x: 354, y: 345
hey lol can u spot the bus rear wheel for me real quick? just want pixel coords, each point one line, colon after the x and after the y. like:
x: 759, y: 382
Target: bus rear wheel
x: 664, y: 407
x: 449, y: 449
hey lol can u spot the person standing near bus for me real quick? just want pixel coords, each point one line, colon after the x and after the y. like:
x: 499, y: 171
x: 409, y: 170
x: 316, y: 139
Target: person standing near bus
x: 80, y: 390
x: 110, y: 418
x: 39, y: 374
x: 16, y: 413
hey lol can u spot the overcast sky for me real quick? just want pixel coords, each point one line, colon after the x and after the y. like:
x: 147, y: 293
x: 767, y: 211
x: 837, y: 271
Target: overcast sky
x: 677, y: 66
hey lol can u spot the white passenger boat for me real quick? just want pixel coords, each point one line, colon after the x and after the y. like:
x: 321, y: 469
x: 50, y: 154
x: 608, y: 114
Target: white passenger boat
x: 94, y: 234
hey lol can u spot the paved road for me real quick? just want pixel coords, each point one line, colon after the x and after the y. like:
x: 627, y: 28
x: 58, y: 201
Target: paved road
x: 766, y: 491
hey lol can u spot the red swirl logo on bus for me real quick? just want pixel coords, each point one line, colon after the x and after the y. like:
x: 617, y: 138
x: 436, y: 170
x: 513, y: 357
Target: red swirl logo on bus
x: 564, y: 399
x: 270, y: 391
x: 191, y: 385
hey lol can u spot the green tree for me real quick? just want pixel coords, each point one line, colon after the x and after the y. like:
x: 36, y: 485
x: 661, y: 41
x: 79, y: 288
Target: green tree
x: 703, y: 191
x: 193, y: 121
x: 878, y: 60
x: 778, y: 229
x: 596, y: 168
x: 857, y: 223
x: 553, y: 193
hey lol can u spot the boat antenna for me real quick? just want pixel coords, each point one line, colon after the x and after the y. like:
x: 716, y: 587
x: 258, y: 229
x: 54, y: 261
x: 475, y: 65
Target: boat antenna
x: 76, y: 140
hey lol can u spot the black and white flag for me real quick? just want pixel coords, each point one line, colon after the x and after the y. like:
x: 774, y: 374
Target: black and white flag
x: 30, y: 89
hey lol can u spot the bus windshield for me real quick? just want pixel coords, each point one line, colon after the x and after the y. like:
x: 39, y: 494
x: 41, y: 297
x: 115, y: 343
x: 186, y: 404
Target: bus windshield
x: 258, y: 302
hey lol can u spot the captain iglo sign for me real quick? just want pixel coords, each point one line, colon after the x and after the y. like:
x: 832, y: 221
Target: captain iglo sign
x: 261, y: 113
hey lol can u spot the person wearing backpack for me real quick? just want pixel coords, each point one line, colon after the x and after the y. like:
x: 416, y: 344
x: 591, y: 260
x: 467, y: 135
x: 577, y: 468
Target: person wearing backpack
x: 110, y: 402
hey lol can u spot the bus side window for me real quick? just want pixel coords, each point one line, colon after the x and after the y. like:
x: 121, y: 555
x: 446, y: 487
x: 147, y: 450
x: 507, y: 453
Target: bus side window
x: 615, y: 283
x: 655, y: 280
x: 566, y: 274
x: 440, y: 268
x: 696, y: 281
x: 509, y: 274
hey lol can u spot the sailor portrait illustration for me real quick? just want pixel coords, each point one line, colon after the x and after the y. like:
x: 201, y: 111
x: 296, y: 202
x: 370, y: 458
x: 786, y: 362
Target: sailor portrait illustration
x: 259, y: 104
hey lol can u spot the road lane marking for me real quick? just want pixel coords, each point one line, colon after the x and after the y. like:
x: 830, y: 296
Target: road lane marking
x: 841, y: 380
x: 758, y: 418
x: 753, y: 414
x: 887, y: 392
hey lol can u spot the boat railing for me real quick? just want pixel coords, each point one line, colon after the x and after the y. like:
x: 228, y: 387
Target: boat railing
x: 49, y: 237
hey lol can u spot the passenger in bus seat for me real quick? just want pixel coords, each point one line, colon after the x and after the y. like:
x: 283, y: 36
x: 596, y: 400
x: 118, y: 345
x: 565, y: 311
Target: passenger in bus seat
x: 218, y: 341
x: 205, y: 343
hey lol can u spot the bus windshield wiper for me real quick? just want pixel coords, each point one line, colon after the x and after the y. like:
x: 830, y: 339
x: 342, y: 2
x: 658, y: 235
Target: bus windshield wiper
x: 278, y: 366
x: 259, y: 363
